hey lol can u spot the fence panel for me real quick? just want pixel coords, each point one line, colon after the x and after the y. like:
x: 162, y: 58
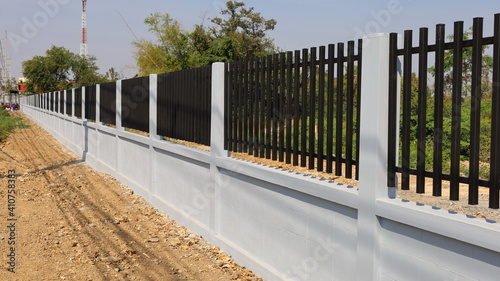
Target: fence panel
x: 108, y: 103
x: 135, y: 103
x: 184, y: 100
x: 90, y: 103
x: 61, y: 101
x: 78, y: 103
x: 451, y: 106
x: 69, y: 102
x: 297, y: 107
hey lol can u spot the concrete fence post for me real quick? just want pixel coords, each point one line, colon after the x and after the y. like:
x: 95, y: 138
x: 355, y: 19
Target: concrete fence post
x: 118, y: 105
x: 217, y: 140
x: 373, y: 151
x: 84, y: 89
x: 65, y: 98
x: 73, y: 102
x: 98, y: 104
x: 153, y: 131
x: 153, y: 100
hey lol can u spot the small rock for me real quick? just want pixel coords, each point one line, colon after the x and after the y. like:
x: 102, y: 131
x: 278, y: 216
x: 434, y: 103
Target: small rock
x: 153, y: 240
x: 92, y: 224
x: 111, y: 259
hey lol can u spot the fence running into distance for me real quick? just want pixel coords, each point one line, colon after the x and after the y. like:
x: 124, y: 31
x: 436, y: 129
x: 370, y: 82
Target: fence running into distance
x: 303, y: 108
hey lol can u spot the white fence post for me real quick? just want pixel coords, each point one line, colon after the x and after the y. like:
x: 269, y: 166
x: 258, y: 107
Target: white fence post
x: 73, y: 102
x: 118, y: 105
x: 217, y: 140
x: 153, y: 131
x: 65, y: 98
x: 153, y: 101
x: 98, y: 104
x: 373, y: 151
x: 84, y: 89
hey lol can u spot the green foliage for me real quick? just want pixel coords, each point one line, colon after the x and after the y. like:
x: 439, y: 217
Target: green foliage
x: 238, y: 33
x: 8, y: 124
x: 487, y: 68
x: 57, y: 68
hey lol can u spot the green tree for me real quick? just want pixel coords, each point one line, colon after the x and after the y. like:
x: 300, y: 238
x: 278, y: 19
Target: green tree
x: 58, y: 68
x: 112, y: 75
x: 238, y: 33
x: 487, y: 68
x: 247, y: 27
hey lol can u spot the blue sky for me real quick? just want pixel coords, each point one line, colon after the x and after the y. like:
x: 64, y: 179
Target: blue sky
x: 35, y: 25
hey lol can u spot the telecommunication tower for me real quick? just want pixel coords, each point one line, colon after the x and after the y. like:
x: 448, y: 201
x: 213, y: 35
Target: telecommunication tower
x: 83, y: 45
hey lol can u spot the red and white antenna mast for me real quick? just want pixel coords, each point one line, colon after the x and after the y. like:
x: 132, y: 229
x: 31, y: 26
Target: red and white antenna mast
x: 83, y: 46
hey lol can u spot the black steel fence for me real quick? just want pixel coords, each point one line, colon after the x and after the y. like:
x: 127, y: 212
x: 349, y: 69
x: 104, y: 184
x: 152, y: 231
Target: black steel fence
x: 135, y: 103
x: 298, y: 107
x: 108, y: 103
x: 90, y: 103
x: 450, y: 111
x: 78, y: 103
x: 184, y: 104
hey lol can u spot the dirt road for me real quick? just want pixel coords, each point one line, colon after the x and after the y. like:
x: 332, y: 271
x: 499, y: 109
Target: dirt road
x: 65, y: 221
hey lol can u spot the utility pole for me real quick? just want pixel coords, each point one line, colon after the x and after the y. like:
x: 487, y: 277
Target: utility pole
x: 83, y: 45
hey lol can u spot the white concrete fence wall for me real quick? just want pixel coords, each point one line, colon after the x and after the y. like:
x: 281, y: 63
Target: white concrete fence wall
x: 284, y: 225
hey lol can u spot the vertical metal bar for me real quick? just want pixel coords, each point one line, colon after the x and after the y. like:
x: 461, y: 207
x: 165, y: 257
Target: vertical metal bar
x: 350, y: 109
x: 321, y: 108
x: 296, y: 109
x: 407, y: 93
x: 257, y: 107
x: 289, y: 100
x: 339, y: 110
x: 281, y: 116
x: 495, y: 121
x: 392, y: 116
x: 330, y: 108
x: 275, y: 107
x: 241, y: 105
x: 438, y: 111
x: 422, y: 109
x: 251, y: 109
x: 475, y: 118
x: 262, y: 126
x: 312, y: 109
x: 358, y: 103
x: 269, y: 106
x: 303, y: 113
x: 246, y: 104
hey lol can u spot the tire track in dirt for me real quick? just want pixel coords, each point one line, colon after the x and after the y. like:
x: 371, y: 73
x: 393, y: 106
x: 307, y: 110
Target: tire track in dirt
x: 78, y: 224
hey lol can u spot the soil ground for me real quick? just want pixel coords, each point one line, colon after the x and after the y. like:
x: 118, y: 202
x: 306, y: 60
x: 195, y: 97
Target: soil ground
x: 73, y: 223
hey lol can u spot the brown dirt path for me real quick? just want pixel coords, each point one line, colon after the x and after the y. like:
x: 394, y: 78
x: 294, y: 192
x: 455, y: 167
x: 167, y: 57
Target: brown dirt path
x: 73, y: 223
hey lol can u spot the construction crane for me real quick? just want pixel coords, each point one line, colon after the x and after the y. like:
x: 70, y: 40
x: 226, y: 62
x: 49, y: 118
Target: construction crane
x: 83, y: 45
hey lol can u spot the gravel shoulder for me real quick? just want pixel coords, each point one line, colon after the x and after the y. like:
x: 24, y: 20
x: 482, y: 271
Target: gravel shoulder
x: 73, y: 223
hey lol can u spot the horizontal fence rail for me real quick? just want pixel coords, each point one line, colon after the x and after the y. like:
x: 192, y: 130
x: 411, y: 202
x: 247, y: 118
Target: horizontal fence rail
x: 298, y: 107
x: 450, y: 119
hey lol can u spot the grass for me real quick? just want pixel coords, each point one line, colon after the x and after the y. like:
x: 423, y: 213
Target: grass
x: 8, y: 124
